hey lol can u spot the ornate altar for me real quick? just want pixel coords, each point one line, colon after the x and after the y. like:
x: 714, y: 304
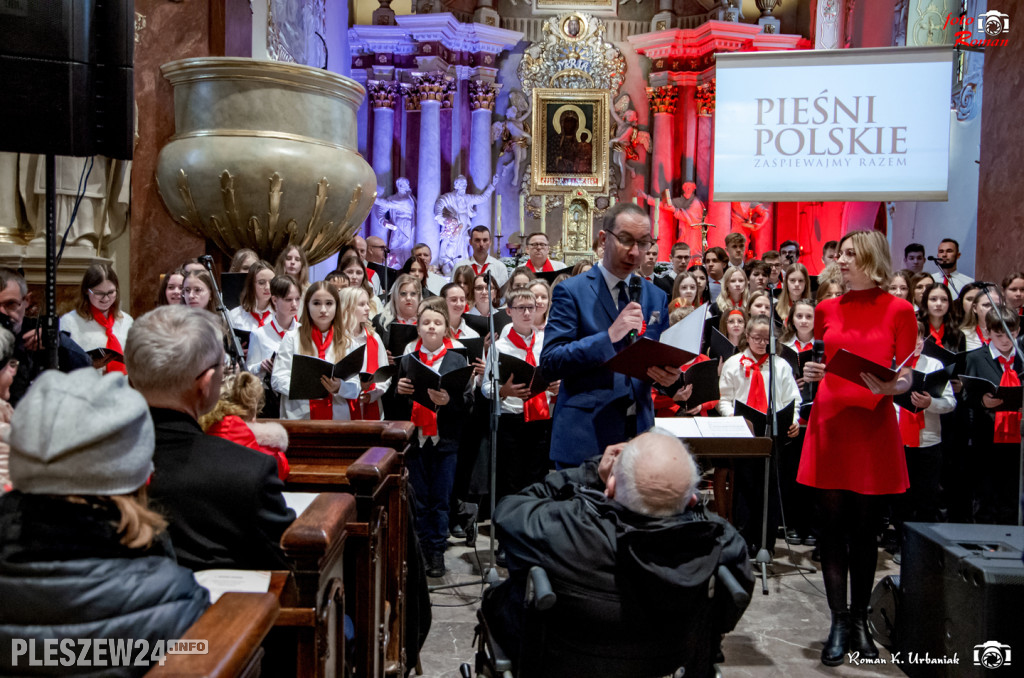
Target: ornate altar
x: 578, y: 214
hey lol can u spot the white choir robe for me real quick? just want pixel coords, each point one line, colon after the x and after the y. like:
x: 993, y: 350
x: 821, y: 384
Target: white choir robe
x: 263, y: 343
x: 511, y: 404
x: 734, y: 385
x: 382, y: 361
x: 89, y: 334
x: 280, y: 380
x: 494, y: 266
x: 931, y: 434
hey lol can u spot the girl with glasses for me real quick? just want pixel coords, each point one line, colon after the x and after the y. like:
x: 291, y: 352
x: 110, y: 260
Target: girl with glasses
x: 97, y: 321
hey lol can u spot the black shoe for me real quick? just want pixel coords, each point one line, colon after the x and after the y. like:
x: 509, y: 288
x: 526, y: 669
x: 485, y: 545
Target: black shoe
x: 435, y: 565
x: 499, y: 557
x: 810, y: 540
x: 792, y: 538
x: 457, y: 531
x: 838, y: 642
x: 860, y: 636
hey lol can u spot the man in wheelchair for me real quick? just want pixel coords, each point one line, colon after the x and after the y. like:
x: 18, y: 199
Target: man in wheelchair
x: 633, y: 560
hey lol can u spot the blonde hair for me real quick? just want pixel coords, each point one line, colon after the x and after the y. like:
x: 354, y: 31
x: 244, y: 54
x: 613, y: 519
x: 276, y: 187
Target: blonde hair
x: 241, y: 395
x: 138, y: 525
x: 390, y: 313
x: 754, y: 296
x: 785, y: 301
x: 349, y: 297
x: 724, y: 301
x: 871, y: 252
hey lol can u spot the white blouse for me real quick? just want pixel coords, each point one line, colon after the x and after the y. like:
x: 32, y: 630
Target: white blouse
x: 280, y: 381
x: 89, y: 334
x: 734, y: 385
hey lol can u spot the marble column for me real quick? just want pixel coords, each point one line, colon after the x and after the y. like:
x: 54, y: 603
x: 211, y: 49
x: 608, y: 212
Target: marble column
x: 481, y: 103
x: 663, y: 109
x: 689, y: 164
x: 428, y: 187
x: 383, y: 95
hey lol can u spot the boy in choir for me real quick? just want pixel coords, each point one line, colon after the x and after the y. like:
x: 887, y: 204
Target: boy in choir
x: 790, y: 252
x: 680, y: 260
x: 995, y: 435
x: 537, y: 248
x: 482, y: 261
x: 715, y: 261
x: 829, y: 252
x: 736, y: 247
x: 913, y: 257
x: 948, y: 254
x: 432, y: 457
x: 646, y: 268
x: 774, y: 260
x: 922, y: 441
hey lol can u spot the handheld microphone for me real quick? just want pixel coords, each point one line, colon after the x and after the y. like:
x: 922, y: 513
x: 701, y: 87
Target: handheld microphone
x: 636, y: 289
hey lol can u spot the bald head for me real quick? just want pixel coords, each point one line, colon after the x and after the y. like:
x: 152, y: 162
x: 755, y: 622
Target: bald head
x: 375, y: 249
x: 654, y: 475
x: 360, y: 245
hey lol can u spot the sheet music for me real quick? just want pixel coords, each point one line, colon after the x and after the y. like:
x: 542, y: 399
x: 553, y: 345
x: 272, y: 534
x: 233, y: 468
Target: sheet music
x: 723, y: 427
x: 298, y: 501
x: 686, y: 334
x: 219, y: 582
x: 680, y: 427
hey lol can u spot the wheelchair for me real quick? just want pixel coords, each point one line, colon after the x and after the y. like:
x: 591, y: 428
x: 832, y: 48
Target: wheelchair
x: 570, y: 634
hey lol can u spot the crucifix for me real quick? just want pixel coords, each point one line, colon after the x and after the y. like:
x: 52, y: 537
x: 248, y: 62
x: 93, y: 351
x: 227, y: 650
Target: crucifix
x: 703, y: 225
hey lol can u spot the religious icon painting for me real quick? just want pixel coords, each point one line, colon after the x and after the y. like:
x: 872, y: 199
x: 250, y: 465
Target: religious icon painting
x: 572, y: 151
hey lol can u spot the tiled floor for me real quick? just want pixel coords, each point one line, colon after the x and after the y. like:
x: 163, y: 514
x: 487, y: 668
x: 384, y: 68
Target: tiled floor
x: 781, y: 633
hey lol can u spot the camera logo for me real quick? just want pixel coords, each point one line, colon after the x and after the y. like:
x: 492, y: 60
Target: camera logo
x: 993, y: 22
x: 992, y: 654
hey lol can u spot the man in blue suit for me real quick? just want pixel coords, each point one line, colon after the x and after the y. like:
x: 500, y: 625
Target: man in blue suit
x: 590, y: 317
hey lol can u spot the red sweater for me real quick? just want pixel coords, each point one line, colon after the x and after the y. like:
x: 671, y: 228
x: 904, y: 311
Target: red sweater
x: 235, y: 429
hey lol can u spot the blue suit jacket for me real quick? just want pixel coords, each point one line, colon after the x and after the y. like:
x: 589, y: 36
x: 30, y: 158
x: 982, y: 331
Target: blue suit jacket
x: 590, y: 412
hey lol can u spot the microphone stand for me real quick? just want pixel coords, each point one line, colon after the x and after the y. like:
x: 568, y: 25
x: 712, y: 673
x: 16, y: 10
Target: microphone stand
x: 234, y: 345
x: 764, y: 557
x: 1020, y: 470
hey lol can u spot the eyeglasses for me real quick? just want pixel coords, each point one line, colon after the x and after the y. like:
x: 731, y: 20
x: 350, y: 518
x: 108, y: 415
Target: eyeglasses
x: 523, y: 309
x: 538, y: 246
x: 12, y: 305
x: 103, y: 296
x: 628, y: 242
x: 754, y: 339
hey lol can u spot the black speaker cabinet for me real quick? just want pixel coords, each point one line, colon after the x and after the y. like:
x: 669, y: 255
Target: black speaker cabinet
x: 962, y: 590
x: 66, y: 74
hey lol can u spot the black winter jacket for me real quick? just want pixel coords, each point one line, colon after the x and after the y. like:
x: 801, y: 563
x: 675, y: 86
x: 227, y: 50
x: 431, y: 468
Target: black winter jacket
x: 65, y: 575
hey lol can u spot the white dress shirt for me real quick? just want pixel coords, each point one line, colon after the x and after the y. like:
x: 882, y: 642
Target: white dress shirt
x: 955, y: 281
x: 280, y: 381
x: 511, y: 404
x: 931, y: 434
x: 89, y: 334
x: 241, y: 319
x: 263, y: 343
x: 494, y: 267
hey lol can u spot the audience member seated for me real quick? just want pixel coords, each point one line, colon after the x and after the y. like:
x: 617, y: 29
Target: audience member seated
x: 223, y: 500
x: 81, y: 555
x: 629, y: 554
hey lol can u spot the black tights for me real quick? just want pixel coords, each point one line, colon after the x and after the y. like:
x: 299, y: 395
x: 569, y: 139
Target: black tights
x: 848, y: 543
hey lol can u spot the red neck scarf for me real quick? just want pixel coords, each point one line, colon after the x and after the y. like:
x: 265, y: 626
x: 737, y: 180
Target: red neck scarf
x: 536, y: 408
x: 107, y: 323
x: 261, y: 318
x: 981, y: 336
x: 370, y: 273
x: 1007, y: 423
x: 937, y: 334
x: 801, y: 347
x: 911, y: 423
x: 479, y: 269
x: 279, y: 332
x: 322, y: 408
x: 757, y: 398
x: 424, y: 417
x: 369, y: 411
x: 546, y: 267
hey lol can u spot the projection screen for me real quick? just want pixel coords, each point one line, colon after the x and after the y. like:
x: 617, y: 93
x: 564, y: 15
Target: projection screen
x: 845, y: 124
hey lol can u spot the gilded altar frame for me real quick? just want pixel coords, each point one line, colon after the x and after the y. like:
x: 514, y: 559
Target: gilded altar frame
x: 564, y: 158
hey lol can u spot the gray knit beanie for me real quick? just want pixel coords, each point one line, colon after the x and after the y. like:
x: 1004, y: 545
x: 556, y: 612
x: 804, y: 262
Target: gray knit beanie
x: 81, y: 433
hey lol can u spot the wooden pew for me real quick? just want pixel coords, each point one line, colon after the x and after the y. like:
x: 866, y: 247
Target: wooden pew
x: 234, y: 626
x: 365, y: 459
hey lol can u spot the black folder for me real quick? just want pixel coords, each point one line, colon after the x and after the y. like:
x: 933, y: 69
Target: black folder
x: 704, y: 377
x: 307, y: 370
x: 720, y: 347
x: 101, y: 357
x: 479, y: 322
x: 849, y: 366
x: 521, y: 372
x: 472, y: 348
x: 635, y: 359
x: 381, y: 375
x: 549, y: 276
x: 243, y: 338
x: 400, y: 336
x: 933, y: 383
x: 796, y: 360
x: 955, y: 363
x: 423, y: 378
x: 759, y: 420
x: 976, y: 387
x: 231, y: 285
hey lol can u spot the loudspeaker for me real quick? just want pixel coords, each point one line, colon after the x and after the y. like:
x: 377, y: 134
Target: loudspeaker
x: 67, y: 78
x: 962, y: 591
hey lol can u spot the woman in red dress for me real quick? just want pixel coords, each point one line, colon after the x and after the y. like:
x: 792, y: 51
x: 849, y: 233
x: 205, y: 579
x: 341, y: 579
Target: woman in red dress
x: 853, y: 454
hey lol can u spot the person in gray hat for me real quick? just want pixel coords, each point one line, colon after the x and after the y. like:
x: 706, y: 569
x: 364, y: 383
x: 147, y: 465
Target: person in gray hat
x: 224, y: 502
x: 81, y: 555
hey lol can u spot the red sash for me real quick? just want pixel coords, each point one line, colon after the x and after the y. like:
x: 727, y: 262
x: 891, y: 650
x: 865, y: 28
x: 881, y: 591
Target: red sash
x: 322, y: 408
x: 107, y: 323
x: 536, y: 408
x: 260, y: 318
x: 547, y: 266
x: 424, y: 417
x: 911, y: 423
x: 479, y: 270
x: 757, y: 398
x: 369, y: 411
x: 370, y: 273
x: 1007, y: 423
x: 981, y: 337
x: 937, y: 334
x: 800, y: 348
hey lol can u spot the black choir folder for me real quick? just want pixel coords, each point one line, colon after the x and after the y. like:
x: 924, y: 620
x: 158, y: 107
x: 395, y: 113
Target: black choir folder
x: 976, y: 387
x: 521, y: 373
x: 955, y: 363
x: 472, y: 348
x: 704, y: 377
x: 424, y: 378
x: 678, y: 345
x: 759, y: 420
x: 932, y: 383
x: 400, y: 335
x: 101, y: 357
x: 796, y: 360
x: 307, y: 370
